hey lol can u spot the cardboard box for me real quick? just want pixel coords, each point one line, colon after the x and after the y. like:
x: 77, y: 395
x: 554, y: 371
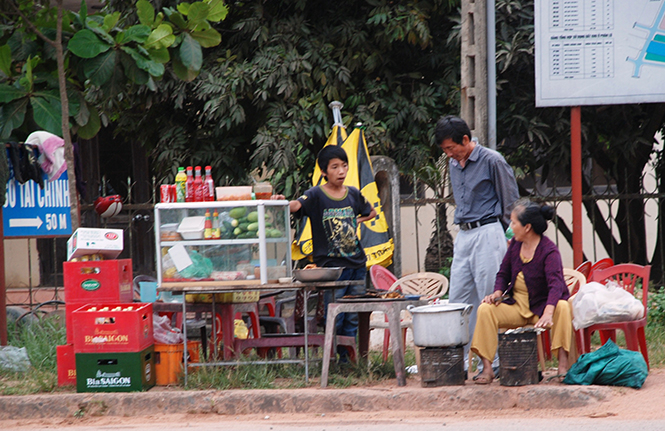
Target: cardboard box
x: 98, y: 281
x: 115, y: 372
x: 225, y: 298
x: 113, y: 327
x: 66, y: 365
x: 107, y: 242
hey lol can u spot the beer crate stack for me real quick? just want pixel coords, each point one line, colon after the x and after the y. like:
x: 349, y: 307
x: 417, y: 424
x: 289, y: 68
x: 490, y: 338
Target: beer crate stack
x: 110, y: 345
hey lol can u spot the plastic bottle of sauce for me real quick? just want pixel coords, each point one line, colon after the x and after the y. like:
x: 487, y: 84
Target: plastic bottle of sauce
x: 189, y: 185
x: 216, y: 231
x: 209, y: 185
x: 198, y: 185
x: 207, y: 227
x: 180, y: 182
x: 263, y: 191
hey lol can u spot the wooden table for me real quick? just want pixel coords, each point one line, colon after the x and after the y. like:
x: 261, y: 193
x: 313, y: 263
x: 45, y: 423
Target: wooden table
x: 227, y: 312
x: 364, y: 308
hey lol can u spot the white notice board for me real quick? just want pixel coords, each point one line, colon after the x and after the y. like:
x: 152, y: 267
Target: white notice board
x: 597, y: 52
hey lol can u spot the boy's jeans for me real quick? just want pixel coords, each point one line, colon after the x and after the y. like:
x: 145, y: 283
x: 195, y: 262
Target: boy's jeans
x: 346, y: 323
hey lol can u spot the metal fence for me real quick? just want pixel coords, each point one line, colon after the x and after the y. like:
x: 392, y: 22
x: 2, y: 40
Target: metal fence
x: 617, y: 224
x: 136, y: 221
x: 621, y: 224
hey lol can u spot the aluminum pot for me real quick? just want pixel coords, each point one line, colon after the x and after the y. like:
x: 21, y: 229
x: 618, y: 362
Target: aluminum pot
x: 441, y: 325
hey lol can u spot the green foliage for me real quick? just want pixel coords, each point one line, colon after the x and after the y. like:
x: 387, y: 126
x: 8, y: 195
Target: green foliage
x: 107, y: 55
x: 262, y: 102
x: 445, y: 269
x: 656, y: 312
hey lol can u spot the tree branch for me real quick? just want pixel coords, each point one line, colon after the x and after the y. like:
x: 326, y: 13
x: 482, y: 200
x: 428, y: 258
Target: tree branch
x: 31, y: 25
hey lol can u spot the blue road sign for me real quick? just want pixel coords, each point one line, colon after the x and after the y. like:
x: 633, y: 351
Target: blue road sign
x: 30, y: 211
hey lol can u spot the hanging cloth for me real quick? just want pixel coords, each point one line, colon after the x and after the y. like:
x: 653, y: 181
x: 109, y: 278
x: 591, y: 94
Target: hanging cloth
x: 24, y: 164
x: 52, y: 149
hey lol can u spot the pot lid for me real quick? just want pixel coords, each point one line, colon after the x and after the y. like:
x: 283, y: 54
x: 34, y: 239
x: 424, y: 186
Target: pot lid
x: 438, y: 308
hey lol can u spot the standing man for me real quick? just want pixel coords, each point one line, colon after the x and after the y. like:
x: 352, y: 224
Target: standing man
x: 484, y: 189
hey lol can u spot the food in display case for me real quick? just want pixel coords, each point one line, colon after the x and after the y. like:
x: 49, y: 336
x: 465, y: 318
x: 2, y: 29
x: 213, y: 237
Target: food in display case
x: 263, y: 191
x: 248, y: 243
x: 237, y: 193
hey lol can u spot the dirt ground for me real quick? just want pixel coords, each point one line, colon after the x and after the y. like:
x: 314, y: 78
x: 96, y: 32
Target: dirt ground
x: 647, y: 403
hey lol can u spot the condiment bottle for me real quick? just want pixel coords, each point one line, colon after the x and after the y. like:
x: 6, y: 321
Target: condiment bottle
x: 198, y: 185
x: 209, y: 185
x: 189, y: 185
x: 207, y: 227
x: 180, y: 185
x: 216, y: 231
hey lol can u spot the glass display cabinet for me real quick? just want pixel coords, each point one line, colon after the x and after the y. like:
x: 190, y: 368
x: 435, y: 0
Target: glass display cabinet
x: 222, y: 243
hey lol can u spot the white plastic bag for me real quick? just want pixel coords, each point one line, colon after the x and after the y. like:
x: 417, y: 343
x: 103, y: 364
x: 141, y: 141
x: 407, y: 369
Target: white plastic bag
x: 163, y: 332
x: 598, y: 303
x: 14, y: 358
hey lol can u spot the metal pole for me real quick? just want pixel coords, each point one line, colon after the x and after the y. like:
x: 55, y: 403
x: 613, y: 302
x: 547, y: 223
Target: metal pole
x: 491, y: 74
x: 3, y: 292
x: 576, y: 181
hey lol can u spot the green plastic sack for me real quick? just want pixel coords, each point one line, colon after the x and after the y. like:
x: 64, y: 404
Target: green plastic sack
x: 201, y: 267
x: 609, y: 365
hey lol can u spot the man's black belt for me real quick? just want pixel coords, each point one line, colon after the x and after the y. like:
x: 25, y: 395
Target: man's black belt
x: 478, y: 223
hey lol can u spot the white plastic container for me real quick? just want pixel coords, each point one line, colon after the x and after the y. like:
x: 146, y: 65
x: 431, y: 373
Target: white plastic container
x: 192, y: 227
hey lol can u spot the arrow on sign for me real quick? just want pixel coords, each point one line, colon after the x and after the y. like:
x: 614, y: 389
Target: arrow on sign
x: 25, y: 222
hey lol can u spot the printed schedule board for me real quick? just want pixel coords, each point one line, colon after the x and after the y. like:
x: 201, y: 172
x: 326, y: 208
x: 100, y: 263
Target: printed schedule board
x: 598, y: 52
x: 31, y: 211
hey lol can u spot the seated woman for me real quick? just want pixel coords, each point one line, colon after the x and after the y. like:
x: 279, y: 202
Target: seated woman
x: 529, y: 289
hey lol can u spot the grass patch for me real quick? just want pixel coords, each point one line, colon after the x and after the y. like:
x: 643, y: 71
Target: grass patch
x: 292, y: 376
x: 40, y: 339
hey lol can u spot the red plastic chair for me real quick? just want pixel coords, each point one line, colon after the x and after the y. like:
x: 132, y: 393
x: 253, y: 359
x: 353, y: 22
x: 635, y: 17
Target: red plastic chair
x: 626, y: 275
x: 601, y: 264
x: 585, y: 269
x: 382, y: 279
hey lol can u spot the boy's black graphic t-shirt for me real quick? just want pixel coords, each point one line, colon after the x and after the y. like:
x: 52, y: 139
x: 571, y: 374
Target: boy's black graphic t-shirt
x: 334, y: 226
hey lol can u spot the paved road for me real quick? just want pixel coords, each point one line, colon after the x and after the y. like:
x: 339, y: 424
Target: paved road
x: 336, y: 424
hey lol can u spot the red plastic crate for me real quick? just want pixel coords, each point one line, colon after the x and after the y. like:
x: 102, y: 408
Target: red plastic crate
x: 97, y: 281
x: 66, y: 365
x: 113, y: 327
x: 69, y: 324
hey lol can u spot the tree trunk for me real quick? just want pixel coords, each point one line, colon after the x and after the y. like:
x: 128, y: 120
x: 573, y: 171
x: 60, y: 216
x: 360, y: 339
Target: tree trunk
x: 440, y: 247
x: 69, y: 150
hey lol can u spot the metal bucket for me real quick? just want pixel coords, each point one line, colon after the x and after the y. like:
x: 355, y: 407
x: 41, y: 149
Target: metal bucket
x: 518, y: 353
x: 441, y: 366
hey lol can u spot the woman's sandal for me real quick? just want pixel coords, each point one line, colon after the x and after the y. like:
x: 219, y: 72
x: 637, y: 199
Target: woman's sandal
x: 482, y: 380
x: 558, y: 378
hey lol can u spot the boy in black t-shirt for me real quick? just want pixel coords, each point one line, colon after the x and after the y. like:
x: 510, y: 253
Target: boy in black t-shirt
x: 335, y: 211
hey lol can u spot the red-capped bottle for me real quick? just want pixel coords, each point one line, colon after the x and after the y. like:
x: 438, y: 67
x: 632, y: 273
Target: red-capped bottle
x: 209, y: 185
x: 189, y: 185
x: 198, y: 185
